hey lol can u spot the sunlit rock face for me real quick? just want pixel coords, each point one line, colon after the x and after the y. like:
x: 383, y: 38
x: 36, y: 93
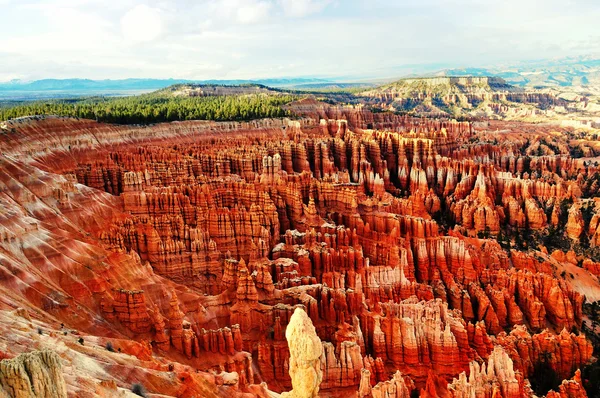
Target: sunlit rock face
x: 342, y: 253
x: 306, y: 350
x: 33, y: 374
x: 476, y: 96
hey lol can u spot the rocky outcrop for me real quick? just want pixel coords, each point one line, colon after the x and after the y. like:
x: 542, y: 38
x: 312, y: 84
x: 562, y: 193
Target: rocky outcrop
x: 563, y: 352
x: 432, y: 96
x: 305, y: 356
x: 572, y: 388
x: 497, y: 379
x: 421, y: 336
x: 397, y: 387
x: 37, y: 374
x: 575, y: 223
x: 129, y: 308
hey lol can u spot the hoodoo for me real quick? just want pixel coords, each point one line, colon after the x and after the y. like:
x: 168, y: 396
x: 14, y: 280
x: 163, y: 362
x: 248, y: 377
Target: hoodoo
x: 306, y: 351
x: 304, y: 259
x: 37, y: 374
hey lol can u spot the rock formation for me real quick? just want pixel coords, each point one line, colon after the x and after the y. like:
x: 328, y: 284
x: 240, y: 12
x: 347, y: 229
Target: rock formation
x: 572, y: 388
x: 418, y: 254
x: 35, y: 374
x: 305, y: 356
x: 498, y: 379
x: 432, y: 96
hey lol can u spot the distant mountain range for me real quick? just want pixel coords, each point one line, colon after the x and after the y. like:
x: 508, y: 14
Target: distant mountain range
x: 564, y: 72
x: 17, y: 90
x: 139, y: 84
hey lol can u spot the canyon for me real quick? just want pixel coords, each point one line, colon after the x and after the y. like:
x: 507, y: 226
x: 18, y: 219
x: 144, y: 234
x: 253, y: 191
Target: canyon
x: 338, y: 252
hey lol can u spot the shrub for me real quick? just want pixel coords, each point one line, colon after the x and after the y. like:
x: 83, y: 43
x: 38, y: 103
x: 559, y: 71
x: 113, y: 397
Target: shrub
x: 109, y: 347
x: 138, y: 389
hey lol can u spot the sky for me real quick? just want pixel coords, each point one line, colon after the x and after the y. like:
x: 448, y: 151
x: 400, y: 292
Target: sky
x: 252, y: 39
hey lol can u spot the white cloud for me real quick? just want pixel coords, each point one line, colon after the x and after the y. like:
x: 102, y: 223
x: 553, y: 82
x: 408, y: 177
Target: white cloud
x: 225, y: 13
x: 253, y: 12
x: 69, y: 33
x: 206, y: 39
x: 302, y: 8
x: 142, y: 24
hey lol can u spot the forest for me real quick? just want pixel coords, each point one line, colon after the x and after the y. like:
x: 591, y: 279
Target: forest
x: 156, y: 108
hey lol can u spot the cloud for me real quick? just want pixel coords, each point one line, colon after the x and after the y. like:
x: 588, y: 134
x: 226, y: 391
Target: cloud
x: 253, y: 12
x: 302, y: 8
x: 230, y: 12
x: 227, y: 39
x: 142, y: 24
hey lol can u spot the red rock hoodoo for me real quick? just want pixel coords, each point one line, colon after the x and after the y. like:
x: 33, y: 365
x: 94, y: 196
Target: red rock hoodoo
x: 414, y: 247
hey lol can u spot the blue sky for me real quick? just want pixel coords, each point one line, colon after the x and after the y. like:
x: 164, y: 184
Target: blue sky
x: 227, y: 39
